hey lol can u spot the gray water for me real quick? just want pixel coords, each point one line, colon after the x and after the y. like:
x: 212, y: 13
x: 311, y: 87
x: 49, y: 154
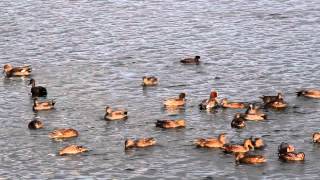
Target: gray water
x: 89, y: 54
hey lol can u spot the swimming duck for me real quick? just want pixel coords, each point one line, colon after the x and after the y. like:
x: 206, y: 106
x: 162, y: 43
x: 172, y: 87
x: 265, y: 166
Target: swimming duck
x: 292, y: 156
x: 175, y: 102
x: 35, y: 124
x: 316, y: 137
x: 278, y: 104
x: 211, y: 103
x: 257, y: 143
x: 43, y: 105
x: 311, y: 93
x: 195, y: 60
x: 9, y: 70
x: 233, y: 148
x: 139, y: 143
x: 117, y: 114
x: 149, y: 81
x: 249, y: 159
x: 234, y: 105
x: 212, y: 142
x: 285, y: 148
x: 37, y: 91
x: 171, y: 123
x: 238, y: 121
x: 63, y: 133
x: 72, y: 149
x: 253, y: 113
x: 268, y: 99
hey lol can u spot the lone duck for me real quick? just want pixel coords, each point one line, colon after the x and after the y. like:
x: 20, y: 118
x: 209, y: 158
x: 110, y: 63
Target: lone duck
x: 63, y: 133
x: 9, y: 70
x: 149, y: 81
x: 268, y: 99
x: 292, y: 156
x: 171, y: 123
x: 311, y: 93
x: 249, y: 159
x: 118, y: 114
x: 234, y: 105
x: 253, y: 113
x: 175, y: 102
x: 257, y: 143
x: 238, y: 122
x: 211, y: 142
x: 233, y: 148
x: 37, y: 91
x: 195, y: 60
x: 211, y: 103
x: 43, y: 105
x: 72, y: 149
x: 35, y: 124
x: 285, y: 148
x: 316, y: 137
x: 139, y: 143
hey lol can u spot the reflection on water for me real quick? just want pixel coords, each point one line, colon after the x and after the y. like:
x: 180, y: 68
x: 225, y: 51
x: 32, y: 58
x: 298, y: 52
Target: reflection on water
x: 89, y: 54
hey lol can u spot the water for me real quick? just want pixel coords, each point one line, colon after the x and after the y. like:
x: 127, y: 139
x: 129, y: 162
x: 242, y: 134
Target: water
x: 93, y: 53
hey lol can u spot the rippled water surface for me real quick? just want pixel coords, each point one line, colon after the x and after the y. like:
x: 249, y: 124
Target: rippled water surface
x: 90, y: 54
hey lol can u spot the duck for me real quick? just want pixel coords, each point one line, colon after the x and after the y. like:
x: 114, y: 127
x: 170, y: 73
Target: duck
x: 139, y: 143
x: 268, y: 99
x: 212, y: 142
x: 310, y: 93
x: 233, y: 105
x: 249, y: 158
x: 258, y: 143
x: 278, y: 104
x: 175, y: 102
x: 284, y: 148
x: 292, y: 156
x: 316, y: 137
x: 63, y: 133
x: 9, y: 70
x: 35, y: 124
x: 72, y: 149
x: 166, y: 124
x: 211, y: 103
x: 238, y: 122
x: 37, y: 91
x: 43, y: 105
x: 253, y: 113
x: 195, y: 60
x: 118, y: 114
x: 233, y: 148
x: 149, y: 81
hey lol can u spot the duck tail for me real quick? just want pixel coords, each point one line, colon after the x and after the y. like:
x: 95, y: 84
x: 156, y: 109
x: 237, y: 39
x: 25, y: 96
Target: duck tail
x: 299, y: 93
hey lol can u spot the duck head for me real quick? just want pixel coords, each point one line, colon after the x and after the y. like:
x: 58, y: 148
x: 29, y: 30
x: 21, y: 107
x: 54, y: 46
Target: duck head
x: 197, y: 58
x: 129, y: 143
x: 222, y: 138
x: 35, y: 124
x: 108, y: 110
x: 248, y: 143
x: 280, y: 96
x: 316, y: 137
x: 7, y: 67
x: 32, y: 82
x: 182, y: 96
x: 213, y: 94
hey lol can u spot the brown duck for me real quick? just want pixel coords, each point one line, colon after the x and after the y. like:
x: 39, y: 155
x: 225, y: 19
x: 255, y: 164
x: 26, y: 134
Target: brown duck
x: 166, y: 124
x: 9, y: 70
x: 139, y: 143
x: 212, y: 142
x: 72, y: 149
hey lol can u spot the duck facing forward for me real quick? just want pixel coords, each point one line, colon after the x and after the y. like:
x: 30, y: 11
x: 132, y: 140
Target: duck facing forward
x: 72, y: 149
x: 311, y: 93
x: 253, y: 113
x: 63, y: 133
x: 139, y: 143
x: 167, y: 124
x: 249, y: 159
x: 195, y: 60
x: 211, y: 103
x: 9, y: 70
x: 238, y: 122
x: 35, y: 124
x: 175, y: 102
x: 43, y: 105
x: 316, y: 137
x: 212, y: 142
x: 37, y: 91
x: 149, y: 81
x: 118, y: 114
